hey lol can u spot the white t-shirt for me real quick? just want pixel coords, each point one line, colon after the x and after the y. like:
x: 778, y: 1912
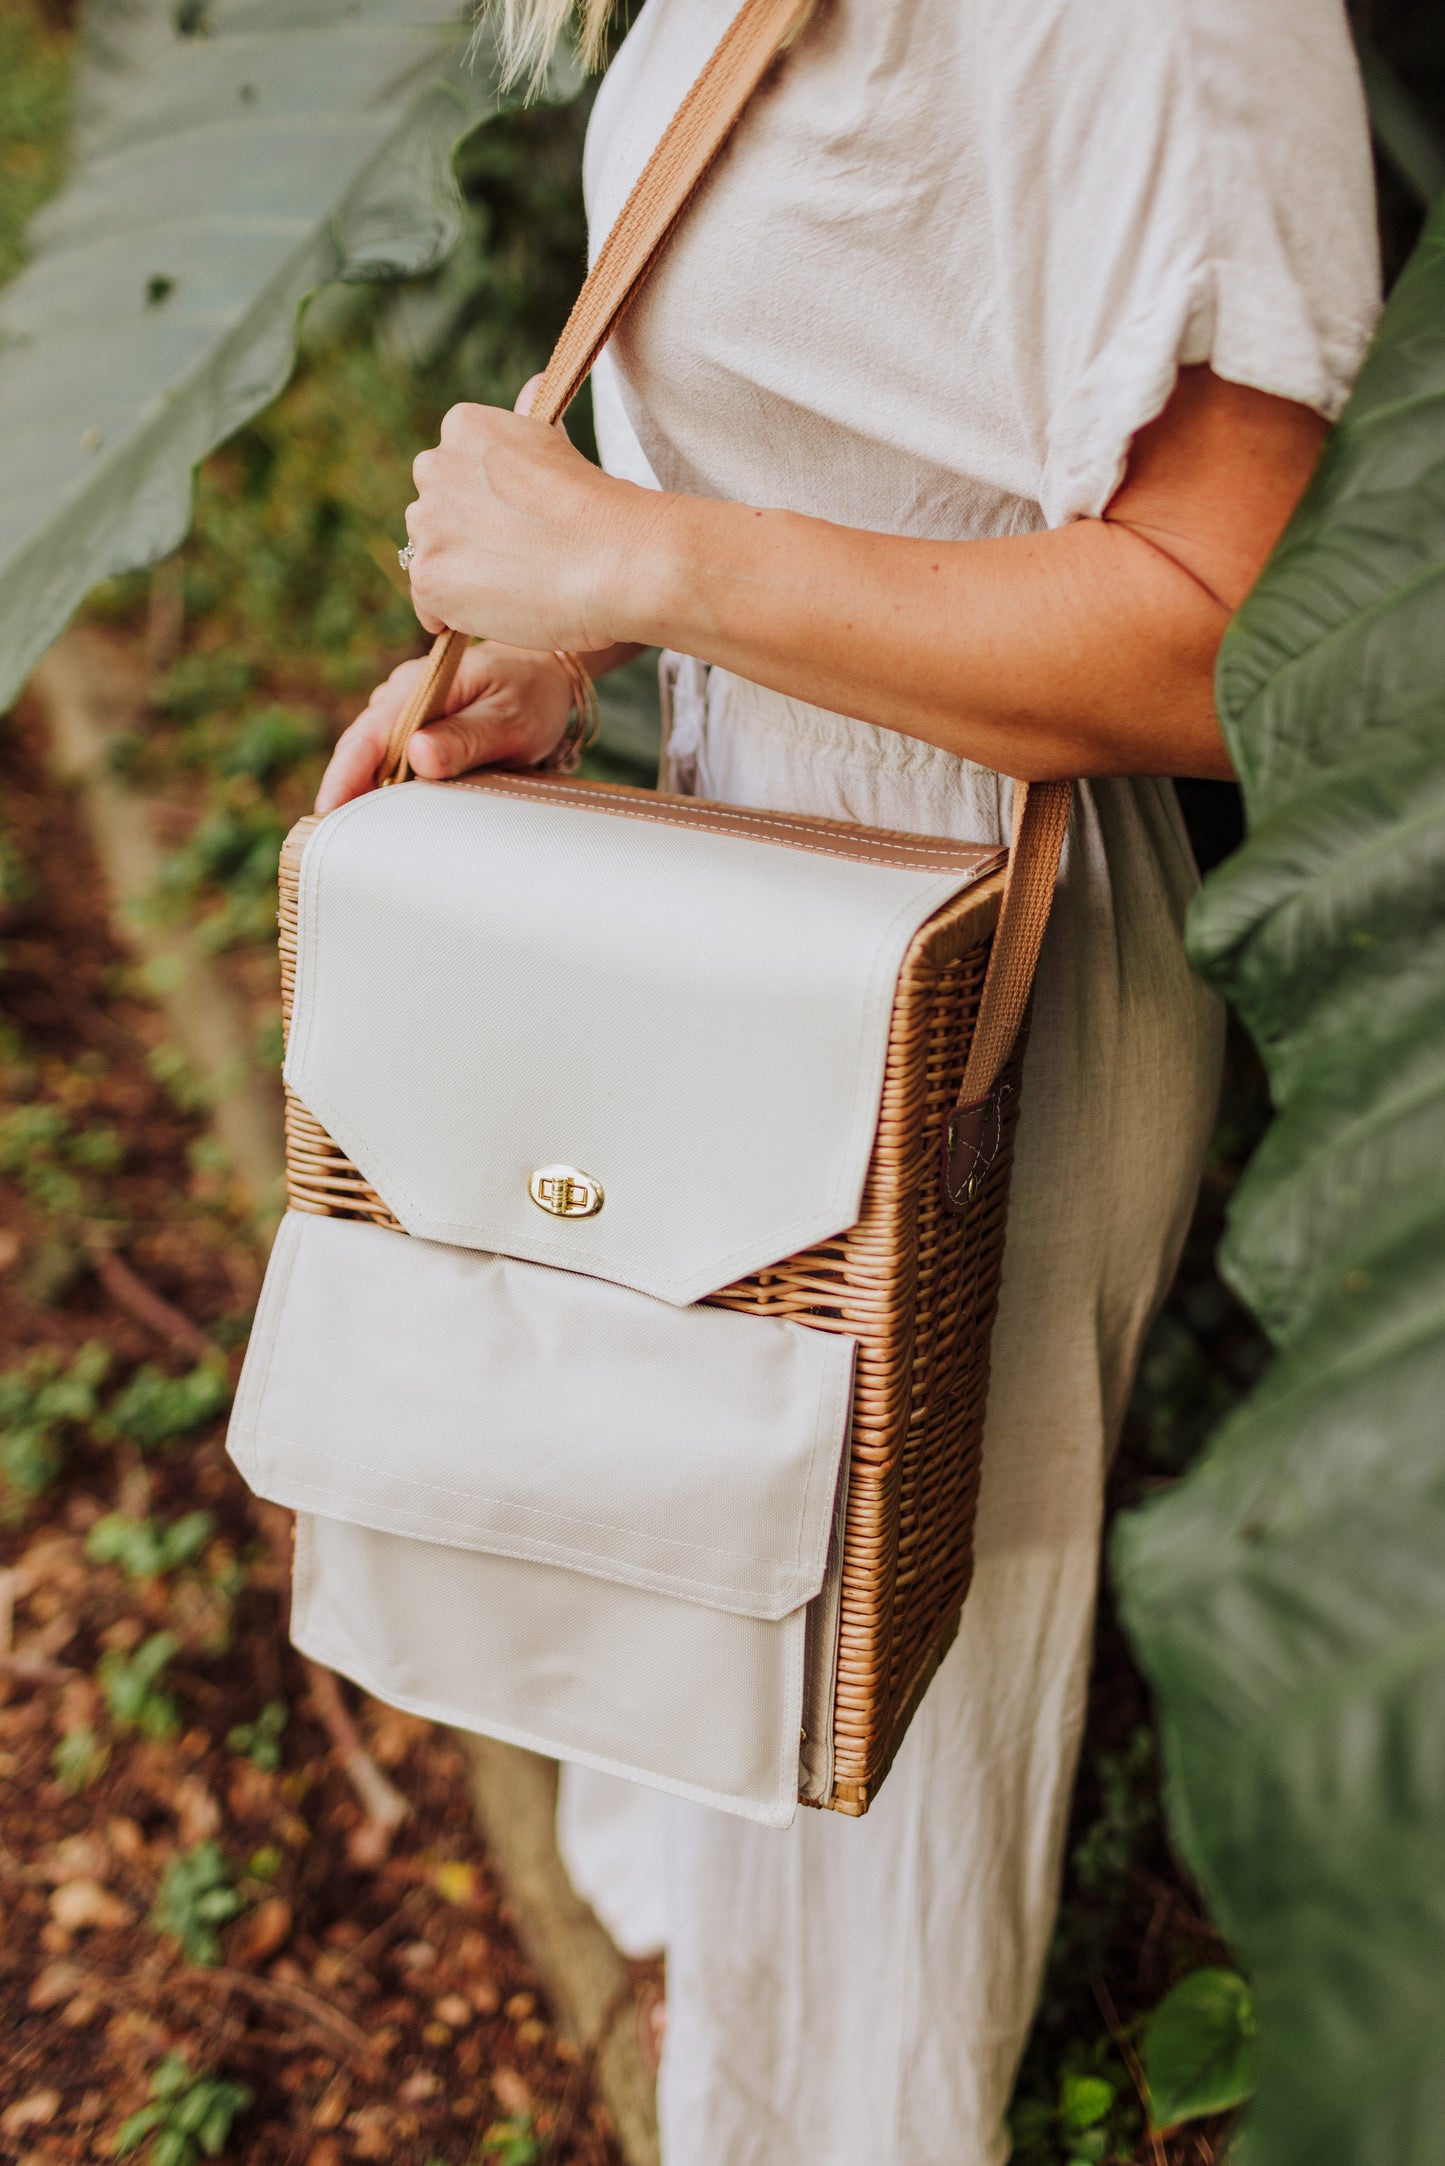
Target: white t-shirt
x: 956, y: 249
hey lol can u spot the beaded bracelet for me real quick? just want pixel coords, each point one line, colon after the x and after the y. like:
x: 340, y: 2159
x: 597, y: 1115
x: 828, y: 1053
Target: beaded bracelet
x: 583, y: 721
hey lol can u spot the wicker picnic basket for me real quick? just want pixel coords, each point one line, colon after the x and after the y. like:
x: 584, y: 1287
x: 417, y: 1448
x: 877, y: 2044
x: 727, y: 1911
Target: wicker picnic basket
x: 915, y: 1281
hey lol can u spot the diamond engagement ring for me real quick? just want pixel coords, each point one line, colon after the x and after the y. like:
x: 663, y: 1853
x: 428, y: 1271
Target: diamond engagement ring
x: 404, y: 556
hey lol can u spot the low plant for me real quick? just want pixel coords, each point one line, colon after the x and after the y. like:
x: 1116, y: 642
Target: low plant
x: 1199, y: 2049
x: 79, y: 1759
x: 155, y: 1408
x: 191, y: 2115
x: 53, y: 1160
x: 40, y: 1402
x: 260, y: 1741
x: 144, y: 1548
x: 511, y: 2143
x: 197, y: 1895
x: 235, y: 849
x: 132, y: 1688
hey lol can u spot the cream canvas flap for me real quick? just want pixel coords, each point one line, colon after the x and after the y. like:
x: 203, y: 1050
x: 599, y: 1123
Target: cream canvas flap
x: 553, y: 1509
x: 494, y: 978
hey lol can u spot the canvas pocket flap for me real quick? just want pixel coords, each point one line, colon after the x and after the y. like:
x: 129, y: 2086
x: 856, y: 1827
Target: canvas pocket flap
x: 481, y: 1403
x: 678, y: 1017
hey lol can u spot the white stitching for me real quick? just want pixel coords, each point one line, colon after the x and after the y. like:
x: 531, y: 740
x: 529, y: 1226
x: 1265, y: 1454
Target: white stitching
x: 912, y: 856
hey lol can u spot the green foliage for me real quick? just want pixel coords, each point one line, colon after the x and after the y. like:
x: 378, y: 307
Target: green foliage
x: 34, y: 104
x: 196, y: 1895
x: 132, y: 1688
x: 143, y: 1548
x: 1092, y: 2118
x: 1199, y: 2048
x: 261, y: 1740
x: 17, y: 882
x: 1288, y: 1597
x: 40, y: 1402
x: 137, y: 340
x: 54, y: 1161
x: 79, y: 1759
x: 191, y: 2116
x: 511, y: 2143
x: 155, y: 1408
x: 237, y: 849
x: 1127, y: 1819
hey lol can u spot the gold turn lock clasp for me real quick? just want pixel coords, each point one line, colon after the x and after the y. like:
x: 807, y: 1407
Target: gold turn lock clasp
x: 565, y: 1192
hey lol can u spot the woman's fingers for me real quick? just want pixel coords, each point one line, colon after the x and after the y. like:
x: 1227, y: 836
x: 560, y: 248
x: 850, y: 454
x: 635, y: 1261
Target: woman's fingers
x: 473, y: 738
x: 361, y: 747
x: 507, y: 705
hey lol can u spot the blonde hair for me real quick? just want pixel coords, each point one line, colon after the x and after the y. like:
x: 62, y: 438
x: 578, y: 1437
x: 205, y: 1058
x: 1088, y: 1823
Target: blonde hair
x: 528, y: 32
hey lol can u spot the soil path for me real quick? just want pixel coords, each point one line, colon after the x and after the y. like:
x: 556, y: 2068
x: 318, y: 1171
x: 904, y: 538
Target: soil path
x: 185, y: 1868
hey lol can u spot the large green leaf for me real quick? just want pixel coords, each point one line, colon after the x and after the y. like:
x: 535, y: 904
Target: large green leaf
x: 1288, y: 1598
x: 231, y: 156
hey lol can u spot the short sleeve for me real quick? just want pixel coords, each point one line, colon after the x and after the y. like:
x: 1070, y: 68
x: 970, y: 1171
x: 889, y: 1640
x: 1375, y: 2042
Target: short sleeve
x: 1174, y: 181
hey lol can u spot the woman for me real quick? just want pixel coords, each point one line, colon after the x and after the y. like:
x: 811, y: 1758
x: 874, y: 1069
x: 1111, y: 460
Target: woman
x: 964, y: 408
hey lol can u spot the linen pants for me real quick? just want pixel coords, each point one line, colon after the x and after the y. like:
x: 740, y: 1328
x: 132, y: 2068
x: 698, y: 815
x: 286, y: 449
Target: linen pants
x: 859, y: 1992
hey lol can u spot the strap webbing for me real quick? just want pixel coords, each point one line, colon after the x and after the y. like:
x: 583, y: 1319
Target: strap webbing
x: 664, y: 188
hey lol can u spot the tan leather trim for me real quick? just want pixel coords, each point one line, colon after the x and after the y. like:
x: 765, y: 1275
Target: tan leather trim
x: 794, y: 831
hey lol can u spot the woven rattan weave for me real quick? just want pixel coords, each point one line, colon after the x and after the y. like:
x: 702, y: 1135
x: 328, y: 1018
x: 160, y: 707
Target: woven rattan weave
x: 914, y: 1283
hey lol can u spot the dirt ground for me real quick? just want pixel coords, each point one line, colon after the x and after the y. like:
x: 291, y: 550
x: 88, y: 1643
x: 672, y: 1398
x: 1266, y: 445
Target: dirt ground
x: 364, y: 1985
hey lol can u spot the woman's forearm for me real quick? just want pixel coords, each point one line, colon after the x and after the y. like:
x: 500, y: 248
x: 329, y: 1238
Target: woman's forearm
x: 1082, y: 651
x: 1087, y: 649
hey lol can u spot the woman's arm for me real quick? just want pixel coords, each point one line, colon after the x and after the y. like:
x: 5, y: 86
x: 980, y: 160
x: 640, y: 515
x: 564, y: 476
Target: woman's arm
x: 1085, y: 650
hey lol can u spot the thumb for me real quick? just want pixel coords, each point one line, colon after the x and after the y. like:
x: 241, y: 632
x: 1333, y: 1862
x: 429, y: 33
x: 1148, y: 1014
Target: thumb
x: 527, y: 396
x: 455, y: 744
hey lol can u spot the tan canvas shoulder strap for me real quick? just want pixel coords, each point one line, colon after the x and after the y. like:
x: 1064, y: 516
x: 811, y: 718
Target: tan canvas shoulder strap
x: 689, y: 143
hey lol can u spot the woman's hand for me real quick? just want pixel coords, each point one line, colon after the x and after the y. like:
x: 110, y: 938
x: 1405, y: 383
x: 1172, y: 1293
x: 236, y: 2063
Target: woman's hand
x: 514, y: 533
x: 507, y: 706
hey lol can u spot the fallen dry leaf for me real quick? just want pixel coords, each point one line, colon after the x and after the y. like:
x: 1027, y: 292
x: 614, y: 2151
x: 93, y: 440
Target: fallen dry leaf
x: 125, y: 1836
x: 57, y: 1557
x: 455, y: 1881
x: 454, y: 2010
x: 77, y: 1905
x: 393, y: 1733
x: 422, y: 2085
x: 32, y: 2111
x: 372, y: 2132
x: 198, y: 1816
x: 325, y: 2153
x: 262, y: 1932
x: 79, y: 2014
x: 77, y: 1857
x: 78, y: 1706
x: 250, y: 1789
x: 332, y: 2105
x: 512, y: 2092
x: 54, y: 1984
